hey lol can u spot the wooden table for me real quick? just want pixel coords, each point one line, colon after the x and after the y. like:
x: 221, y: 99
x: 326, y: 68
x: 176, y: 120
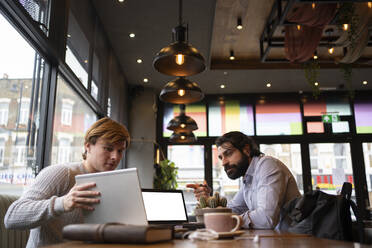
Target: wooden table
x: 268, y: 239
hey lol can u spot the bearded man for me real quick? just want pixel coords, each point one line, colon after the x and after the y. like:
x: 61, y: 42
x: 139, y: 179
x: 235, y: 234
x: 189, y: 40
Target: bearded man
x: 267, y: 182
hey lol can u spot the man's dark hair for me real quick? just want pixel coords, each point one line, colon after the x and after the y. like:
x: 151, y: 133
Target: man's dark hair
x: 239, y: 140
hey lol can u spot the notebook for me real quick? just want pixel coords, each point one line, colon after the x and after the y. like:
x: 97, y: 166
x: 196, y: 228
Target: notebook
x: 121, y: 197
x: 167, y: 207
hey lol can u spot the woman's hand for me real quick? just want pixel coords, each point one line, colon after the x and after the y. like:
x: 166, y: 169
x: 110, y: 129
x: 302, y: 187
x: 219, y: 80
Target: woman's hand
x: 80, y: 197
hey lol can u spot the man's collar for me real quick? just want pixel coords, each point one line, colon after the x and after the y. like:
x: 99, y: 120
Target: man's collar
x: 251, y: 168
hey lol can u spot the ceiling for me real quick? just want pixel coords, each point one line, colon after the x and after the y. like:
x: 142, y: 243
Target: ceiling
x: 212, y: 31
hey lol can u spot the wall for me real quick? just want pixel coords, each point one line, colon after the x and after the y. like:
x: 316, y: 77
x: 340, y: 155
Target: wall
x: 142, y: 127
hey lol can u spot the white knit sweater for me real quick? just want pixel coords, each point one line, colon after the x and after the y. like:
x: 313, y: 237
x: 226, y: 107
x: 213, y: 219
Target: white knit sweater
x: 40, y: 208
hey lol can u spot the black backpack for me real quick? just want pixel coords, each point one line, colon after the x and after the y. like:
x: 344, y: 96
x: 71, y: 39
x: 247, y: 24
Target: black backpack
x: 323, y: 215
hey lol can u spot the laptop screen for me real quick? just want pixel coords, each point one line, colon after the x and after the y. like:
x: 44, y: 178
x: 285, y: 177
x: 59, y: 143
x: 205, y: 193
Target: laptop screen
x: 164, y: 206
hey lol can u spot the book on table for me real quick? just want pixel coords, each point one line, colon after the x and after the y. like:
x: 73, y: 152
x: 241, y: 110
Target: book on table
x: 117, y: 233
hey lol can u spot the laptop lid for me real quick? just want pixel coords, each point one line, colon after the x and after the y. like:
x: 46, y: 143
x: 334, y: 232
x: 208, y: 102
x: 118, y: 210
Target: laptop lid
x: 121, y: 198
x: 164, y: 206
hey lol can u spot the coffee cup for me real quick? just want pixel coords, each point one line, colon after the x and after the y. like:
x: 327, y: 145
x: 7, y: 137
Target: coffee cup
x: 222, y: 222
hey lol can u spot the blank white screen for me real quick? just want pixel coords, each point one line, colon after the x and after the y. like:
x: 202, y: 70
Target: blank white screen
x: 163, y: 206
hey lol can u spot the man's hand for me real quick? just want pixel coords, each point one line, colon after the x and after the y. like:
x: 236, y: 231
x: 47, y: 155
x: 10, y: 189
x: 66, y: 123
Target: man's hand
x: 200, y: 189
x: 80, y: 197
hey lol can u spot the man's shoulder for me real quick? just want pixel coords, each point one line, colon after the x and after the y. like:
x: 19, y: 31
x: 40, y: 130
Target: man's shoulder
x: 61, y: 169
x: 270, y: 163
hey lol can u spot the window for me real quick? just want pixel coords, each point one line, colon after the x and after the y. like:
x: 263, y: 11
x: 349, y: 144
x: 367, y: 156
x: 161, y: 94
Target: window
x: 66, y: 113
x: 330, y: 166
x: 94, y: 90
x: 23, y: 112
x: 21, y: 81
x: 278, y: 117
x: 68, y: 140
x: 76, y: 67
x: 190, y: 162
x: 367, y: 151
x: 230, y: 115
x: 39, y: 11
x: 4, y: 111
x: 109, y: 107
x: 363, y: 115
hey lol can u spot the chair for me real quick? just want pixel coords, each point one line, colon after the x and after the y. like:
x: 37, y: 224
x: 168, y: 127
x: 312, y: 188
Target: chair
x: 10, y: 238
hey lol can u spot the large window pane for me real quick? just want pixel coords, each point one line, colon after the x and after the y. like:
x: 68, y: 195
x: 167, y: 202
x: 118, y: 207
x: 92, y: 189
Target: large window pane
x: 190, y: 162
x: 230, y: 115
x: 363, y: 116
x: 221, y: 183
x: 196, y: 111
x: 278, y: 117
x: 336, y: 105
x: 21, y: 76
x: 72, y: 118
x: 330, y: 166
x: 290, y: 155
x: 367, y: 151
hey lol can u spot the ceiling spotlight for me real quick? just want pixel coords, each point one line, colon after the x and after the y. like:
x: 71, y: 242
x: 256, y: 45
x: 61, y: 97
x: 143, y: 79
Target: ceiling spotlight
x: 69, y: 35
x: 369, y: 4
x: 239, y: 24
x: 179, y: 58
x: 132, y: 35
x: 145, y: 80
x: 345, y: 26
x: 365, y: 82
x: 298, y: 27
x: 232, y: 57
x: 331, y: 50
x: 316, y: 83
x: 86, y: 61
x: 313, y: 5
x: 315, y: 56
x: 225, y: 73
x: 268, y: 85
x: 121, y: 1
x: 139, y: 61
x: 222, y: 86
x: 181, y: 91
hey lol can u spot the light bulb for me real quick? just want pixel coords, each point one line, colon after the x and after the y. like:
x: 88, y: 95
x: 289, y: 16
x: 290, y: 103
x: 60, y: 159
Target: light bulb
x: 298, y: 27
x: 316, y: 83
x: 345, y: 26
x: 369, y: 4
x: 315, y: 56
x: 183, y: 125
x: 183, y: 137
x: 180, y: 59
x: 268, y: 85
x: 181, y: 92
x: 331, y: 50
x: 232, y: 57
x: 365, y: 82
x: 313, y: 5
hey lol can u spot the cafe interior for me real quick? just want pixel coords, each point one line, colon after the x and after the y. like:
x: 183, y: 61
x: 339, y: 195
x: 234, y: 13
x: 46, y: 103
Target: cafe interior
x: 296, y: 75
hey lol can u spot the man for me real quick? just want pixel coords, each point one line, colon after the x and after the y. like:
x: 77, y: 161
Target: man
x: 267, y: 182
x: 53, y: 200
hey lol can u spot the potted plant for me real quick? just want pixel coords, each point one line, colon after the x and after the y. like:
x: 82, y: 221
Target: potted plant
x: 213, y: 204
x: 165, y: 177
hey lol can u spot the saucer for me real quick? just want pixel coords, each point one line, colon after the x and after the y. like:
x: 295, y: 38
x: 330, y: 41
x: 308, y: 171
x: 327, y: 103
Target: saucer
x: 230, y: 234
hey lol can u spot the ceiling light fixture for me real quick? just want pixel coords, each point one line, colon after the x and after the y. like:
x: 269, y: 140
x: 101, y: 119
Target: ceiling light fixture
x: 315, y: 56
x: 139, y: 61
x: 132, y: 35
x: 86, y: 61
x: 298, y: 27
x: 313, y: 5
x: 316, y: 83
x: 345, y: 26
x: 179, y: 58
x: 145, y: 80
x: 182, y: 123
x: 239, y: 25
x: 181, y: 91
x: 331, y: 50
x: 121, y: 1
x: 365, y: 82
x: 369, y: 4
x: 232, y: 57
x: 268, y: 85
x: 182, y: 137
x: 222, y: 86
x: 69, y: 35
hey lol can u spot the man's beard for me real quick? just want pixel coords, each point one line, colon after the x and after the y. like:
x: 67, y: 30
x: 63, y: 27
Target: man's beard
x: 239, y: 169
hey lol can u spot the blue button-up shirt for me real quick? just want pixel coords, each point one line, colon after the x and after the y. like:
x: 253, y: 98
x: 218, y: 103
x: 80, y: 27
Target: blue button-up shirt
x: 267, y: 186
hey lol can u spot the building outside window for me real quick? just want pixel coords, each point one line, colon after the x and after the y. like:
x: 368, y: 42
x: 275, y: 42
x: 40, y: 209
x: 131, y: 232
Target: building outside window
x: 64, y: 150
x: 24, y: 110
x: 2, y: 151
x: 66, y: 113
x: 4, y: 111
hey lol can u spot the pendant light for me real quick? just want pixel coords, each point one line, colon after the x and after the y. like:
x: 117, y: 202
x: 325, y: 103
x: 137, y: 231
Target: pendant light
x: 181, y: 91
x: 179, y: 58
x: 182, y: 137
x: 182, y: 123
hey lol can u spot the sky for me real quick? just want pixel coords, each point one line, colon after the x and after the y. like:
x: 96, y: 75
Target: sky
x: 16, y: 55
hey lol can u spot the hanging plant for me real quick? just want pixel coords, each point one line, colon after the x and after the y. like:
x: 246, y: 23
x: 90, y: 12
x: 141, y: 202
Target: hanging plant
x: 311, y: 69
x: 347, y: 70
x: 347, y: 15
x: 165, y: 177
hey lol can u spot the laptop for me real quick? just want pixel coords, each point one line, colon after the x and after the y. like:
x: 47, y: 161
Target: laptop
x: 121, y: 197
x: 167, y: 207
